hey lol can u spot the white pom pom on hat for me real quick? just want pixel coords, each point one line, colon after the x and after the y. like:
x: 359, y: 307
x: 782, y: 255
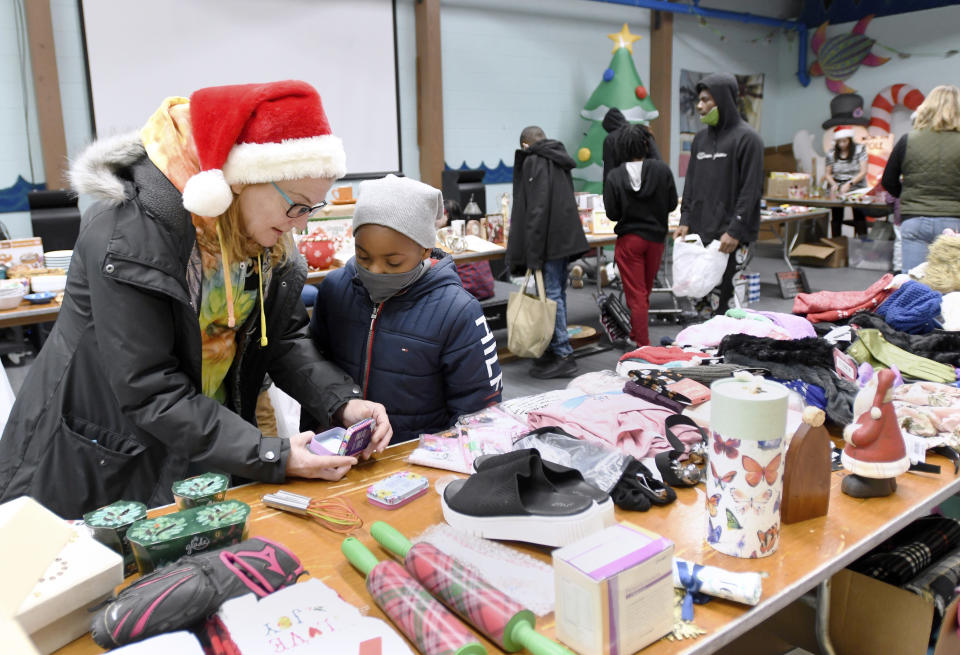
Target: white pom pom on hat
x: 256, y: 133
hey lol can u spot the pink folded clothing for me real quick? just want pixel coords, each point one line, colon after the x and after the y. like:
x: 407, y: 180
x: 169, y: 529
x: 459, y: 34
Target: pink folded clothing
x: 844, y: 302
x: 712, y: 332
x: 630, y: 424
x: 832, y: 315
x: 661, y: 354
x: 797, y: 326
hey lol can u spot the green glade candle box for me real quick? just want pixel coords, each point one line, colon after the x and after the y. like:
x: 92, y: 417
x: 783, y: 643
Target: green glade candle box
x: 110, y: 524
x: 164, y: 539
x: 201, y: 490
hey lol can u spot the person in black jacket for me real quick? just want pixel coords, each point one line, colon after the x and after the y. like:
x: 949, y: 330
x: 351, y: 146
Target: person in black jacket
x: 613, y: 122
x: 638, y: 195
x: 546, y: 233
x: 183, y: 294
x: 724, y: 182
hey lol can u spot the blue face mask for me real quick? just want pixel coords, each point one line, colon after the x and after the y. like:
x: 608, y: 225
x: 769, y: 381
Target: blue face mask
x: 382, y: 286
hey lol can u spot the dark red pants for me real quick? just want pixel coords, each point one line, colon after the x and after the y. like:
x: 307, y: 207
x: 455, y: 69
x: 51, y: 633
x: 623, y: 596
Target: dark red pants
x: 638, y: 261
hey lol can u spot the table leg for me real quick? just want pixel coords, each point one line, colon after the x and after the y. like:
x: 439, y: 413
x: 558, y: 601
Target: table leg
x: 823, y: 618
x: 787, y: 244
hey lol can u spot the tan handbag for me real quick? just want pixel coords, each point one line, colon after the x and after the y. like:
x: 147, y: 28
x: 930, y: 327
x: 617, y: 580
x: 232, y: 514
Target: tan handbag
x: 530, y: 320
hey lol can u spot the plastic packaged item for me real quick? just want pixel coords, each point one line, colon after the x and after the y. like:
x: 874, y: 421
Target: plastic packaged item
x: 600, y: 466
x: 397, y: 490
x: 200, y: 490
x: 343, y: 441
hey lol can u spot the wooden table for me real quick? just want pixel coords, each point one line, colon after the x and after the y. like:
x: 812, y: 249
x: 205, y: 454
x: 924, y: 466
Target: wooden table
x: 594, y: 240
x: 809, y: 552
x: 27, y: 314
x: 787, y: 220
x: 831, y: 202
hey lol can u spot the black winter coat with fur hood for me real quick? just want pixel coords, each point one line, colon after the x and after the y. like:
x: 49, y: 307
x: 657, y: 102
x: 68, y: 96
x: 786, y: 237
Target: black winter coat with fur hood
x: 112, y: 407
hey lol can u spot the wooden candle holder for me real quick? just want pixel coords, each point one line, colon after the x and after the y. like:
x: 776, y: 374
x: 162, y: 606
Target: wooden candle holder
x: 806, y: 475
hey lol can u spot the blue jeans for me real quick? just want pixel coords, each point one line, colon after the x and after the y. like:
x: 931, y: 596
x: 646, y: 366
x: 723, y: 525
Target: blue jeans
x: 918, y: 233
x: 555, y: 281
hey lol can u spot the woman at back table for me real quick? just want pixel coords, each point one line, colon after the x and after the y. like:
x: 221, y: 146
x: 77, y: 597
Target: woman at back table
x: 923, y: 171
x: 183, y: 294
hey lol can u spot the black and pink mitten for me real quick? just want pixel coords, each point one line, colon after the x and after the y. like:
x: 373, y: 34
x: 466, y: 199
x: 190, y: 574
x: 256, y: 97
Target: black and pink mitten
x: 179, y: 595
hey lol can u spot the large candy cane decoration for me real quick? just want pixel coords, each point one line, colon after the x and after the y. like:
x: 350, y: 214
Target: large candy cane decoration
x: 883, y: 104
x: 881, y: 141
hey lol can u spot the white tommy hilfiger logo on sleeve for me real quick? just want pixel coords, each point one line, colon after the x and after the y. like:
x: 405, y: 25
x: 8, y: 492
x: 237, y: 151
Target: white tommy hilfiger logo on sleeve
x: 489, y: 351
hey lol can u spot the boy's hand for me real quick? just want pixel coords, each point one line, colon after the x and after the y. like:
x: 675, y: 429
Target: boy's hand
x: 305, y: 464
x: 356, y: 410
x: 680, y: 232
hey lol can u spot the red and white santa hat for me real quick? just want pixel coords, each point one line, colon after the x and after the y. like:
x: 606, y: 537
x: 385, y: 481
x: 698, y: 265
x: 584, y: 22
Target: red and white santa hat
x: 842, y: 132
x: 254, y: 133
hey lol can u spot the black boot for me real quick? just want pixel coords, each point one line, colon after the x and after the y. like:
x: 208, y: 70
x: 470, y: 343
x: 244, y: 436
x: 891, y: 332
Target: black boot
x: 858, y: 486
x: 560, y: 367
x: 546, y: 358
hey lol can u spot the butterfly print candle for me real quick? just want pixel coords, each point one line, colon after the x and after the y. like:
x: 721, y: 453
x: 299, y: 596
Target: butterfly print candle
x: 748, y: 421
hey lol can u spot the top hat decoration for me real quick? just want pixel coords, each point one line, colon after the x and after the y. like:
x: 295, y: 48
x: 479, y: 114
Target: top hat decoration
x: 846, y: 109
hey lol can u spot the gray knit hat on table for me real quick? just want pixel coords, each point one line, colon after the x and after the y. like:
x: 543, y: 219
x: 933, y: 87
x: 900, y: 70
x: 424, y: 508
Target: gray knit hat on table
x: 407, y: 206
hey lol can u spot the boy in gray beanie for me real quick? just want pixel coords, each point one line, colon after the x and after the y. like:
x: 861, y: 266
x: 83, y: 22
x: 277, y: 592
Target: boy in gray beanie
x: 397, y: 319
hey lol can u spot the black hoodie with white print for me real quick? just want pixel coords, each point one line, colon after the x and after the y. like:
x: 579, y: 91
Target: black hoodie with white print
x: 724, y: 181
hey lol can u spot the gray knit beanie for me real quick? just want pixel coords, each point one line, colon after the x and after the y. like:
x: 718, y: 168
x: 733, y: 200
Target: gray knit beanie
x: 407, y: 206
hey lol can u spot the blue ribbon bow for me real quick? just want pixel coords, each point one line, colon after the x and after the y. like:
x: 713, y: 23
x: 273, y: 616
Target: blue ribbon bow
x: 690, y: 579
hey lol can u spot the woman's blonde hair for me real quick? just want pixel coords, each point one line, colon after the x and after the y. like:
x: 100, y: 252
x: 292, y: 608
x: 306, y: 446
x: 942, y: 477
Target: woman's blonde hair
x: 239, y: 246
x: 940, y: 111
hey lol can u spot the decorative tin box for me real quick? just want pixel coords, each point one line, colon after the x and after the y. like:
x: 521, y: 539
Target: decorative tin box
x: 164, y: 539
x: 110, y: 524
x: 201, y: 490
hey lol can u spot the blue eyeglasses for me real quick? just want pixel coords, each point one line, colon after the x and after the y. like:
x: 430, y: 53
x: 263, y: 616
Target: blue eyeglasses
x: 298, y: 209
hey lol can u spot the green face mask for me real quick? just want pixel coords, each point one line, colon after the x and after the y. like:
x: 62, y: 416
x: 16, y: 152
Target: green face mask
x: 712, y: 117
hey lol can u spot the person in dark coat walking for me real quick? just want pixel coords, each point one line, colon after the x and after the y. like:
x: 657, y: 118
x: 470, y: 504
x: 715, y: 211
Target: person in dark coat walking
x: 183, y: 294
x: 545, y: 234
x: 724, y: 181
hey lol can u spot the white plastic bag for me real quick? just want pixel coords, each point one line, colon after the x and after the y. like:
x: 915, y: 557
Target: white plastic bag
x: 287, y: 411
x: 696, y: 270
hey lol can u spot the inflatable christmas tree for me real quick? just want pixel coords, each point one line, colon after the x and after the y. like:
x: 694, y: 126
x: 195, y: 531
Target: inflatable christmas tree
x: 622, y: 88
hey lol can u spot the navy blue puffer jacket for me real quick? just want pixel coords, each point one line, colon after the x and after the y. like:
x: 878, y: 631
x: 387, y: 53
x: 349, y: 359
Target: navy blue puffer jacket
x: 426, y: 354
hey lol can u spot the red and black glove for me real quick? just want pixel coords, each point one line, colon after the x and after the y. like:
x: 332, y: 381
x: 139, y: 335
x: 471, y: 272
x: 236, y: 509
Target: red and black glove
x: 181, y: 594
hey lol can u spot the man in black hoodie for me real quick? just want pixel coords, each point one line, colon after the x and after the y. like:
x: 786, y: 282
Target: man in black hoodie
x: 724, y: 183
x: 545, y: 234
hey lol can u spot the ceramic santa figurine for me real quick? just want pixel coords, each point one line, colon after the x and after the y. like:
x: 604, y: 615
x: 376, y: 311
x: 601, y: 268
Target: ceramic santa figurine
x: 875, y: 453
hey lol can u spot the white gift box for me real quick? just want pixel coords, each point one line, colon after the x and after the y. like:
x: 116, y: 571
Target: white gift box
x: 614, y: 590
x: 82, y: 576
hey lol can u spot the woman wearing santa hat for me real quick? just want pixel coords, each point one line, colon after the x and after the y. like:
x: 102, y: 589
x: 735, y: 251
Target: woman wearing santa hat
x: 183, y: 294
x: 846, y: 170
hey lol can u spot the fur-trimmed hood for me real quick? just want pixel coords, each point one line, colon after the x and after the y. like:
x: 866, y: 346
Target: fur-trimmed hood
x: 97, y: 171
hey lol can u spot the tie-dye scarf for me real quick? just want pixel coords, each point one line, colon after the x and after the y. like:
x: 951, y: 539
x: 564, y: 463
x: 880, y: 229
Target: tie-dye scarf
x: 168, y: 139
